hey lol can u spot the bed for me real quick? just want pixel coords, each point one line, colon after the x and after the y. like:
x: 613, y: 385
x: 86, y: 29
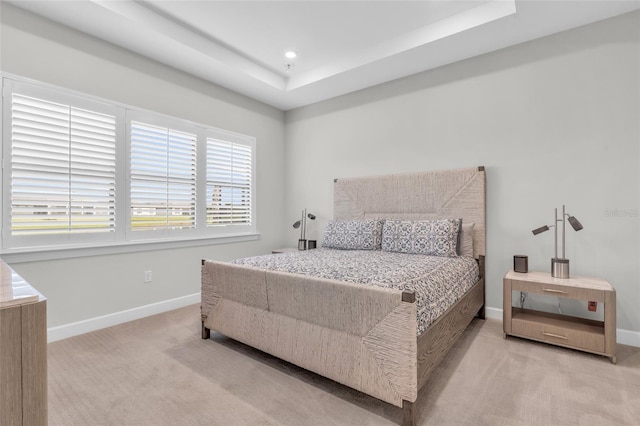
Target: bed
x: 382, y: 338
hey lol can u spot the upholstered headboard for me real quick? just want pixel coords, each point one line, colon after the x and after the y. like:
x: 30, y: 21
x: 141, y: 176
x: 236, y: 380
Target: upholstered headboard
x: 458, y: 193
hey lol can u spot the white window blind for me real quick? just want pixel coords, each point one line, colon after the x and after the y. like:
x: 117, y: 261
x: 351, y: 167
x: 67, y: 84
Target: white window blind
x: 229, y: 183
x: 81, y: 172
x: 62, y: 168
x: 163, y: 178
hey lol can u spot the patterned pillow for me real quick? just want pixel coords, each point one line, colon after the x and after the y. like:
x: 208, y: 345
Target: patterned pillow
x: 431, y: 237
x: 353, y: 234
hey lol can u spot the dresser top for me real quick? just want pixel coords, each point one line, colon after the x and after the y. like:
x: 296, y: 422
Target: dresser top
x: 14, y: 290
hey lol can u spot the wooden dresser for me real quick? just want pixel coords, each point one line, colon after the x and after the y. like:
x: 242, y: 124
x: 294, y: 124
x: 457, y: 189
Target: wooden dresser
x: 23, y: 352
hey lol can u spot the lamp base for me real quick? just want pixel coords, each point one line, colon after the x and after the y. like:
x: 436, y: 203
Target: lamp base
x: 560, y: 268
x: 302, y: 244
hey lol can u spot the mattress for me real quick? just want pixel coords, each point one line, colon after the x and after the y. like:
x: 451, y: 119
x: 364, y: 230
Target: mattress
x: 438, y: 282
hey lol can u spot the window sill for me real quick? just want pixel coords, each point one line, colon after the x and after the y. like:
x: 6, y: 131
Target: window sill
x: 66, y: 252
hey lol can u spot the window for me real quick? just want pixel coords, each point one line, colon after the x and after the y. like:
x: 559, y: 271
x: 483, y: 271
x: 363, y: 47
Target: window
x: 229, y: 182
x: 163, y: 178
x: 84, y: 172
x: 60, y: 187
x: 63, y: 168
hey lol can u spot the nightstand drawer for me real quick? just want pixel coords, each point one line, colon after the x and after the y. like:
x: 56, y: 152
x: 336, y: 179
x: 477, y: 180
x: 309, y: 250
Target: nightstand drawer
x: 557, y: 290
x: 559, y: 329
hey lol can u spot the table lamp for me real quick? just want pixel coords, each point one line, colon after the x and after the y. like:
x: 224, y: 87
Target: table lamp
x: 560, y: 265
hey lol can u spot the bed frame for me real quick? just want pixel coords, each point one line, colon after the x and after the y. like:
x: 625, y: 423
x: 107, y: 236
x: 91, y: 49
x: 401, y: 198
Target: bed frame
x: 361, y: 336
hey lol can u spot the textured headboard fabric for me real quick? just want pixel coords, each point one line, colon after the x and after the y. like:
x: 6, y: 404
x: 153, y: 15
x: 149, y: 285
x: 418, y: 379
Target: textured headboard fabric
x: 458, y: 193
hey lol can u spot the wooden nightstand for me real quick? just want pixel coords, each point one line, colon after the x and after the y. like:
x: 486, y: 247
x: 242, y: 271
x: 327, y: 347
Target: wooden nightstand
x: 284, y: 250
x: 597, y: 337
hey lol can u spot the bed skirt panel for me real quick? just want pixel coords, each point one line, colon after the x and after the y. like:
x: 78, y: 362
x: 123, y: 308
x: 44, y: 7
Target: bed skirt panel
x: 434, y: 344
x: 340, y: 337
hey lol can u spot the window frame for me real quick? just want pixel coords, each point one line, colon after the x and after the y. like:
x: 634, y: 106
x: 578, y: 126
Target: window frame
x: 123, y: 239
x: 239, y: 139
x: 172, y: 124
x: 23, y: 242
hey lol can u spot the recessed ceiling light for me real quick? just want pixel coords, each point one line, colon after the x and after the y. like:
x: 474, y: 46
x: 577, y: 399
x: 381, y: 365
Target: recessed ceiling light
x: 290, y: 54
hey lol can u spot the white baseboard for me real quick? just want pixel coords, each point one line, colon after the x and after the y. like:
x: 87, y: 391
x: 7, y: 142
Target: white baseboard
x: 628, y: 337
x: 92, y: 324
x: 493, y: 313
x: 624, y: 337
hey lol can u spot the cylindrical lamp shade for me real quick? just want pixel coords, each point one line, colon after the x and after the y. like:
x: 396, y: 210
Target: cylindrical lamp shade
x: 560, y: 268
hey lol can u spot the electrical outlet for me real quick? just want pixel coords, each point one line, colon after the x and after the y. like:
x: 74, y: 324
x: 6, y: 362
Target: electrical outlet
x: 523, y: 297
x: 147, y: 276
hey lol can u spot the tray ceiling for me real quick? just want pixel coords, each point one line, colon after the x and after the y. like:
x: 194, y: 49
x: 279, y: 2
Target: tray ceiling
x: 342, y: 46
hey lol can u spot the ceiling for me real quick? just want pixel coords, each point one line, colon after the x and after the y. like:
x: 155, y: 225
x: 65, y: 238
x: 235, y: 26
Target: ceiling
x: 342, y: 46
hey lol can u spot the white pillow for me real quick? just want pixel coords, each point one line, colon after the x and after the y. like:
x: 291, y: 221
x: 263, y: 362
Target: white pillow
x: 465, y: 246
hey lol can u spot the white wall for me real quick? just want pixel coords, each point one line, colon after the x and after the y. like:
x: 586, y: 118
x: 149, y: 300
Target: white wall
x: 554, y: 121
x: 83, y: 288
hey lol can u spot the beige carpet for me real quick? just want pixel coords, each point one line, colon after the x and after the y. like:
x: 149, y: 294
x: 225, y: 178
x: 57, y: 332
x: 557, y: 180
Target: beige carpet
x: 157, y: 371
